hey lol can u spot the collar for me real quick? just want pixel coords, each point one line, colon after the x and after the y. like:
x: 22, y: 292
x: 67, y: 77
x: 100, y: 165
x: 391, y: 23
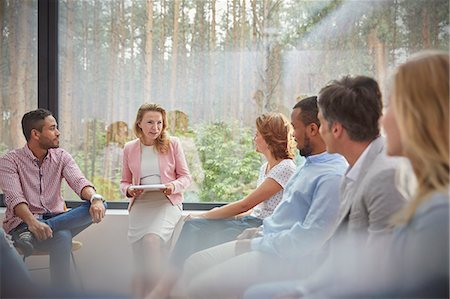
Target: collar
x: 32, y: 157
x: 353, y: 173
x: 320, y: 158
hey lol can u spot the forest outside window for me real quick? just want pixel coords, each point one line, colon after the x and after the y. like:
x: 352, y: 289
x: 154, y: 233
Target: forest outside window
x: 215, y: 65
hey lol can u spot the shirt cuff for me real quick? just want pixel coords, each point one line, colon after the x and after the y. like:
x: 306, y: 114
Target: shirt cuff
x: 14, y: 202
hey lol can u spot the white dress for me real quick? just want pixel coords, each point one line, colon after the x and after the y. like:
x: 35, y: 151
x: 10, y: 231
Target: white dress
x: 152, y: 212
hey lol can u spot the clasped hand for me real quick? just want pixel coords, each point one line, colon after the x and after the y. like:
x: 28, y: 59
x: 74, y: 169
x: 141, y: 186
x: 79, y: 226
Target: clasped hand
x: 40, y: 230
x: 97, y: 211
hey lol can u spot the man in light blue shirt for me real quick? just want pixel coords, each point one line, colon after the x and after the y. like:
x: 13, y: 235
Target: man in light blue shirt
x: 297, y: 228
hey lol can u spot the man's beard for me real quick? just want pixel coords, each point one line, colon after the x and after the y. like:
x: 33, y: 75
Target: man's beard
x: 306, y: 151
x: 48, y: 145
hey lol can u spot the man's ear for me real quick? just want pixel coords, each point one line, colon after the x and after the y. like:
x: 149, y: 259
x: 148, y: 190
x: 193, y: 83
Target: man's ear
x: 337, y: 129
x: 34, y: 134
x: 313, y: 129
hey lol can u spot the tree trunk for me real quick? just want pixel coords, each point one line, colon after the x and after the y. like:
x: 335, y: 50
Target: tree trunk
x: 86, y: 105
x: 18, y: 60
x: 173, y: 76
x: 394, y: 35
x: 113, y: 50
x: 148, y: 51
x: 241, y: 80
x: 182, y: 53
x: 213, y: 26
x: 211, y: 62
x: 160, y: 93
x: 98, y: 102
x: 67, y: 82
x: 234, y: 62
x: 254, y: 23
x: 425, y: 28
x: 378, y: 49
x: 131, y: 110
x: 122, y: 103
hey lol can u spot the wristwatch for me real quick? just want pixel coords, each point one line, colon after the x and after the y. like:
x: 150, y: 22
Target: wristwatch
x: 97, y: 197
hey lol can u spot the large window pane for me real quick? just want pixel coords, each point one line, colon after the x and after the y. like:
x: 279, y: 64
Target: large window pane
x: 18, y: 69
x: 216, y: 65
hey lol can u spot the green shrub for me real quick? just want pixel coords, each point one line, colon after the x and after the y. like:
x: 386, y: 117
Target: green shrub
x: 229, y: 161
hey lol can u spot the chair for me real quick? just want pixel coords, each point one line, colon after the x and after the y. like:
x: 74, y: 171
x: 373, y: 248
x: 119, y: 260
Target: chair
x: 76, y: 245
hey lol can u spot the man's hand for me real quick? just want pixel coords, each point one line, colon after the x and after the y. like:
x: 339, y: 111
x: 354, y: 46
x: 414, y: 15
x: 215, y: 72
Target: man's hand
x: 242, y: 246
x: 97, y: 211
x: 250, y: 233
x: 40, y: 230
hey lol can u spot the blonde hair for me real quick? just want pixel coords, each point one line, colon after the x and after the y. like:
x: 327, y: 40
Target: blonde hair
x: 421, y: 105
x: 277, y: 131
x: 162, y: 142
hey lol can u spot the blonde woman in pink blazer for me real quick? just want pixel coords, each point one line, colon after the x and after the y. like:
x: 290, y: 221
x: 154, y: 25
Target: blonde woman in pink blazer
x: 152, y: 158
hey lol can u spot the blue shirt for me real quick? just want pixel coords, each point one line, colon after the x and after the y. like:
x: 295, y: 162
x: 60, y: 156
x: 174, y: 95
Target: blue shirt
x: 308, y: 210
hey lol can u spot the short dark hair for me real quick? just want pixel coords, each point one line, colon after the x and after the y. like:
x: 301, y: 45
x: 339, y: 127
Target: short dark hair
x: 354, y: 102
x: 309, y: 111
x: 34, y: 120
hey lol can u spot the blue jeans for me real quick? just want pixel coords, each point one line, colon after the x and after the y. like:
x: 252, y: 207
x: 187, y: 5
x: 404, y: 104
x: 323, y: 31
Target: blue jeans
x: 198, y: 234
x: 64, y: 226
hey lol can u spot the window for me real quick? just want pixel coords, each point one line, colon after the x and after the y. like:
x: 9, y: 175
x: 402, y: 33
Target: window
x: 215, y: 65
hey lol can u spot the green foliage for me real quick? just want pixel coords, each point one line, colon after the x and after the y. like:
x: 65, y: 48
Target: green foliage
x: 110, y: 190
x: 229, y: 160
x: 90, y: 157
x: 3, y: 148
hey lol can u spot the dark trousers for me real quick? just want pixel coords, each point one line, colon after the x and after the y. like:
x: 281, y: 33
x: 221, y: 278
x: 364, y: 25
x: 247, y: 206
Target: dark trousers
x: 198, y: 234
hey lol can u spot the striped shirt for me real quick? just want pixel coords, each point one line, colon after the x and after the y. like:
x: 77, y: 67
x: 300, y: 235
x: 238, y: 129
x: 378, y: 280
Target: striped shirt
x: 23, y: 180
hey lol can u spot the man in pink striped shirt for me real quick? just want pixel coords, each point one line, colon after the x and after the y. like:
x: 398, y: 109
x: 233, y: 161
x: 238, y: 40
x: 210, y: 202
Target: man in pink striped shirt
x: 30, y: 178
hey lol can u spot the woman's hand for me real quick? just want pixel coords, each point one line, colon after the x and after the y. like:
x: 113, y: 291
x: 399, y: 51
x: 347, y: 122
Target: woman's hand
x: 169, y: 189
x: 193, y: 216
x: 134, y: 192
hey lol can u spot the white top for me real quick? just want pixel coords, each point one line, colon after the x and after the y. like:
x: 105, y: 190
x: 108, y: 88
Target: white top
x: 149, y: 166
x: 281, y: 173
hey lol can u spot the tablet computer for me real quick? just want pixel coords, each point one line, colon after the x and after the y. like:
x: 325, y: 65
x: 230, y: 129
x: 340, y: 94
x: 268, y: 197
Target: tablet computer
x: 152, y: 187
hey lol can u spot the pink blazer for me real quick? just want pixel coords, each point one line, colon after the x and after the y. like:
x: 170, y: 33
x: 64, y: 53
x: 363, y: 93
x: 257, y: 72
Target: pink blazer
x: 172, y: 167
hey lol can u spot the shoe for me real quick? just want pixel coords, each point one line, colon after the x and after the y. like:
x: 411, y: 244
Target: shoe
x: 24, y: 240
